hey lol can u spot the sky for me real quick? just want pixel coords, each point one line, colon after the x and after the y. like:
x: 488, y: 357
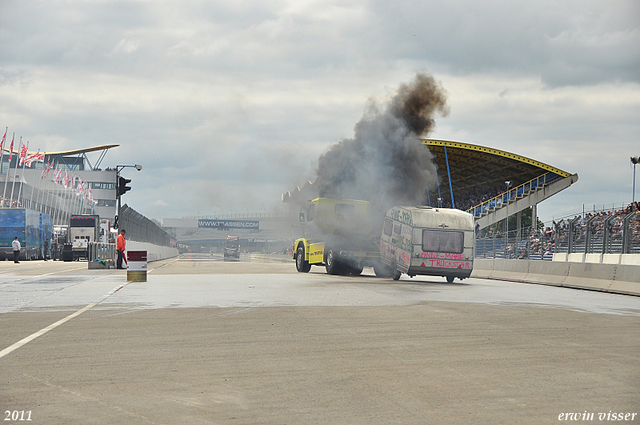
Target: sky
x: 229, y: 104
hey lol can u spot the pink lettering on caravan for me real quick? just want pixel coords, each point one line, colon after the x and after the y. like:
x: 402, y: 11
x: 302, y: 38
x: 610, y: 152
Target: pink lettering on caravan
x: 431, y: 255
x: 451, y: 264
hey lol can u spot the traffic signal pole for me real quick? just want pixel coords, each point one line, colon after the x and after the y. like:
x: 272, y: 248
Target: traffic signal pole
x: 122, y: 188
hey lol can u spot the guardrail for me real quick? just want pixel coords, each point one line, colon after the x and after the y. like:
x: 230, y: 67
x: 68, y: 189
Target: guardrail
x: 513, y: 194
x: 101, y: 251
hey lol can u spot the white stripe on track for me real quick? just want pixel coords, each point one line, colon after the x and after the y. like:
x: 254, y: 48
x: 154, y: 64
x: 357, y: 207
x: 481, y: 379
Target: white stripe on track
x: 41, y: 332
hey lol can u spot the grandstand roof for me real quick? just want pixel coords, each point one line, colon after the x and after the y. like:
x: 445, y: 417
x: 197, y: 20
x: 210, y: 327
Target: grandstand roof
x: 73, y: 151
x: 473, y: 167
x: 85, y: 150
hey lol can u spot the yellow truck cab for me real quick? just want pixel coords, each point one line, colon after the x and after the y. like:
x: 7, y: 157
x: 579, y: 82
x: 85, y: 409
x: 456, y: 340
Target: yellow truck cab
x: 337, y: 235
x: 428, y: 241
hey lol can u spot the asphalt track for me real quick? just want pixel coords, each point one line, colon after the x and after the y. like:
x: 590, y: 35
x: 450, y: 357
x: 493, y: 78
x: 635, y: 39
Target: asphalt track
x: 253, y: 342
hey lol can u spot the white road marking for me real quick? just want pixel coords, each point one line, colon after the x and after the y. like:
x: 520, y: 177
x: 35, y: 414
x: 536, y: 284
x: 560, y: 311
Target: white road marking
x: 43, y: 331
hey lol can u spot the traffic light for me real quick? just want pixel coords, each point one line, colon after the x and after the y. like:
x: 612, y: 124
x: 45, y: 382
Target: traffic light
x: 122, y: 185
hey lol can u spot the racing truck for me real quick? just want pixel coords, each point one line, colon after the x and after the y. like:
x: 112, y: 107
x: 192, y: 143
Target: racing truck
x: 338, y: 234
x: 232, y: 247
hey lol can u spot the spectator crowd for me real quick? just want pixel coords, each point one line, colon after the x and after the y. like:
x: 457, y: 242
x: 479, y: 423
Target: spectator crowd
x: 555, y: 238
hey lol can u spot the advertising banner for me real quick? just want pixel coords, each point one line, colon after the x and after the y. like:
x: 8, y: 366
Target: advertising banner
x: 229, y: 224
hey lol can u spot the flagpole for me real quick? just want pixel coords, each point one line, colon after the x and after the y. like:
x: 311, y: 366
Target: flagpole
x: 53, y: 204
x: 59, y: 200
x: 24, y: 165
x: 58, y: 194
x: 42, y: 191
x: 2, y: 158
x: 15, y: 172
x: 44, y: 183
x: 46, y: 197
x: 6, y: 179
x: 33, y: 188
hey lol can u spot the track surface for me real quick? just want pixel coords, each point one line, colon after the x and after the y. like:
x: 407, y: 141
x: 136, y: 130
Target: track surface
x: 214, y: 342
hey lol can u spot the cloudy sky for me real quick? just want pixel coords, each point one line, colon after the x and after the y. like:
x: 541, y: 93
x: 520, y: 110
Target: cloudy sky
x: 227, y: 104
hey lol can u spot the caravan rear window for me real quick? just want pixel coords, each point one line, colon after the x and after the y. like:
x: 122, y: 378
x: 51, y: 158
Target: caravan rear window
x: 447, y: 241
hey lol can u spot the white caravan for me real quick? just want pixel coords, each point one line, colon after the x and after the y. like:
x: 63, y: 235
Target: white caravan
x: 428, y: 241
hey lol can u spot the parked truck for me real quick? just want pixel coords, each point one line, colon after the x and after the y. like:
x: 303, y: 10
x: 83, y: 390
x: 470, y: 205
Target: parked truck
x: 338, y: 234
x: 83, y: 230
x: 428, y: 241
x: 32, y: 228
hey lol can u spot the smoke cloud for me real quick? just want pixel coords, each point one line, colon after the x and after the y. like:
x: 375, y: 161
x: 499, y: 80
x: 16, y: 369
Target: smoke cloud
x: 386, y: 163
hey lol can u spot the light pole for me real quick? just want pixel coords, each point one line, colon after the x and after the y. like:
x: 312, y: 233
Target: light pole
x: 634, y: 161
x: 118, y: 189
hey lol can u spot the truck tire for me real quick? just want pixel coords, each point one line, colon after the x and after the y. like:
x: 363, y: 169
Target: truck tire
x: 450, y: 279
x: 301, y: 265
x: 331, y: 262
x: 396, y: 274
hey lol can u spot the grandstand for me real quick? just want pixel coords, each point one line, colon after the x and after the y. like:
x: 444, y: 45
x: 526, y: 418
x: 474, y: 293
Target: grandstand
x: 44, y: 189
x: 493, y: 184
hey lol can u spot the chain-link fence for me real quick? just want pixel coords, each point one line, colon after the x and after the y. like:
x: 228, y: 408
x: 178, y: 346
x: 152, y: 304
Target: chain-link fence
x: 597, y: 234
x: 140, y: 229
x: 600, y: 234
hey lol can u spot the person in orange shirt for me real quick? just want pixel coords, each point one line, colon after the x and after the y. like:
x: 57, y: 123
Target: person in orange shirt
x: 120, y: 247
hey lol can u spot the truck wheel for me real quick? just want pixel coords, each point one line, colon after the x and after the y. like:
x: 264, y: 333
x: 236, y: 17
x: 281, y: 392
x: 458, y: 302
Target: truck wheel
x: 301, y: 265
x: 396, y: 274
x: 331, y: 262
x: 450, y: 279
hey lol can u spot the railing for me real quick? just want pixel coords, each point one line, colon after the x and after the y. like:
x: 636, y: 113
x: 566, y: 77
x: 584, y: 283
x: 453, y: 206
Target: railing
x: 140, y: 229
x: 523, y: 244
x: 600, y: 234
x: 515, y: 193
x: 101, y: 251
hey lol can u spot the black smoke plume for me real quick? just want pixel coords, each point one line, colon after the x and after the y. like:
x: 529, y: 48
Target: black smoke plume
x: 386, y: 163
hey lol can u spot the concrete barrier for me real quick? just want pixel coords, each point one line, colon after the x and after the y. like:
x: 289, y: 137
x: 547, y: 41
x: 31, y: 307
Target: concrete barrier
x: 154, y: 252
x: 547, y: 272
x: 616, y: 278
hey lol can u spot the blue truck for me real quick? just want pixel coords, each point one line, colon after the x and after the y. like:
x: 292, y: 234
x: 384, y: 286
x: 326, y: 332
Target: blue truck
x: 31, y: 227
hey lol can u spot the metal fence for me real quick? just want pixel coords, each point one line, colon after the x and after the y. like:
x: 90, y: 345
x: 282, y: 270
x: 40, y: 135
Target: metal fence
x: 598, y: 234
x: 101, y: 251
x: 517, y: 192
x: 140, y: 229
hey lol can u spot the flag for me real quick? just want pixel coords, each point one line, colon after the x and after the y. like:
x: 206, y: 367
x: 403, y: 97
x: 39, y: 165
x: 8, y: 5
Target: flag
x: 3, y: 138
x: 90, y: 196
x: 34, y: 157
x: 11, y: 148
x: 66, y: 180
x: 46, y: 170
x: 56, y: 176
x: 80, y: 188
x: 23, y: 154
